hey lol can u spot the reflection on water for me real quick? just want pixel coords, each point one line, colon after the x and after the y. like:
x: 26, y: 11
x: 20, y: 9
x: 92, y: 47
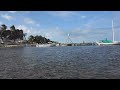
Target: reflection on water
x: 78, y: 62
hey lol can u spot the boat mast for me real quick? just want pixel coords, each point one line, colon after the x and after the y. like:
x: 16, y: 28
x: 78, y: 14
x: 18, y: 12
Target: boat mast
x: 113, y: 30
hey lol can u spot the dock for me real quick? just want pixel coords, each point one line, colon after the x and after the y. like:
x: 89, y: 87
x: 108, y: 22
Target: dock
x: 77, y: 44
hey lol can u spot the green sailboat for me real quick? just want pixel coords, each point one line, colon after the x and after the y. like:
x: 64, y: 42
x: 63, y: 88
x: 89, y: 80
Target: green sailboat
x: 109, y: 42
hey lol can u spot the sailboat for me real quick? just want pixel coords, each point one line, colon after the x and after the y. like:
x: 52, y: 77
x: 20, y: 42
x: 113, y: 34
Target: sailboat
x: 109, y: 42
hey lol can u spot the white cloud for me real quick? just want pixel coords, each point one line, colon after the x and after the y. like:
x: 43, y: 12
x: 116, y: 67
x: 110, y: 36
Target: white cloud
x: 89, y: 33
x: 83, y: 17
x: 55, y: 33
x: 12, y: 11
x: 38, y: 25
x: 62, y: 13
x: 1, y: 23
x: 93, y: 21
x: 80, y: 32
x: 8, y: 17
x: 27, y: 11
x: 24, y: 28
x: 19, y: 12
x: 58, y: 34
x: 50, y: 32
x: 29, y: 21
x: 24, y: 11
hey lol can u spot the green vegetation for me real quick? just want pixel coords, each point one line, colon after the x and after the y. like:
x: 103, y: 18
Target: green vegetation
x: 11, y: 34
x: 16, y: 34
x: 38, y: 39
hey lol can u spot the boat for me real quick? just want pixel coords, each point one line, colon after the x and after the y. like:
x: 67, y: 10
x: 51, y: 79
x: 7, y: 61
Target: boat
x: 109, y: 42
x: 45, y: 45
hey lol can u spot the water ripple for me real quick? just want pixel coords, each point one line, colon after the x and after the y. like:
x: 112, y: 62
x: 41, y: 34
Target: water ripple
x: 79, y: 62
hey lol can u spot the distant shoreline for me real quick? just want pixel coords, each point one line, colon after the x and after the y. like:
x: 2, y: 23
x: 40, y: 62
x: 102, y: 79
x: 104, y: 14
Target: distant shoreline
x: 5, y: 46
x: 23, y: 45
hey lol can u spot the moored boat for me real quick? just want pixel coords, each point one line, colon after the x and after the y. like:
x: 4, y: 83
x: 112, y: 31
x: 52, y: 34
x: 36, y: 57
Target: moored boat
x: 109, y: 42
x: 45, y: 45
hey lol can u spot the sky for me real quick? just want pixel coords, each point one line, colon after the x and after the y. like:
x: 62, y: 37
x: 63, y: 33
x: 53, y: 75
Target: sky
x: 87, y: 26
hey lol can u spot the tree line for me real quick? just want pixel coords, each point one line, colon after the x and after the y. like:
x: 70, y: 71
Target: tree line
x: 14, y: 34
x: 11, y: 34
x: 39, y: 39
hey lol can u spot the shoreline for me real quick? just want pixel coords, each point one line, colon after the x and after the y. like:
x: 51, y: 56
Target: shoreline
x: 5, y: 46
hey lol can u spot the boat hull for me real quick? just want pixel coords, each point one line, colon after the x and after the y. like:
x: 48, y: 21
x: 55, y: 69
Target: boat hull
x: 45, y: 45
x: 115, y: 43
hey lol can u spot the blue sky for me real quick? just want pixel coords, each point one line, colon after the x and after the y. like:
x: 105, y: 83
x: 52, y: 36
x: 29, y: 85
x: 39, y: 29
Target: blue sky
x: 82, y: 26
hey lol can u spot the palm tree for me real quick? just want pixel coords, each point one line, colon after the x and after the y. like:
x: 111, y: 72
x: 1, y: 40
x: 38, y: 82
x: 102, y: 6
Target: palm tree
x: 13, y: 33
x: 21, y: 34
x: 3, y: 27
x: 12, y: 28
x: 31, y: 39
x: 24, y: 35
x: 2, y: 32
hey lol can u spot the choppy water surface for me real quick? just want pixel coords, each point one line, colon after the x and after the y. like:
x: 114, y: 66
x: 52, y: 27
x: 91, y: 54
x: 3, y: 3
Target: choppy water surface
x: 78, y: 62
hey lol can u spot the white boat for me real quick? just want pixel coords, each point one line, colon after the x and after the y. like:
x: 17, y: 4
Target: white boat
x: 45, y: 45
x: 109, y: 42
x: 57, y: 45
